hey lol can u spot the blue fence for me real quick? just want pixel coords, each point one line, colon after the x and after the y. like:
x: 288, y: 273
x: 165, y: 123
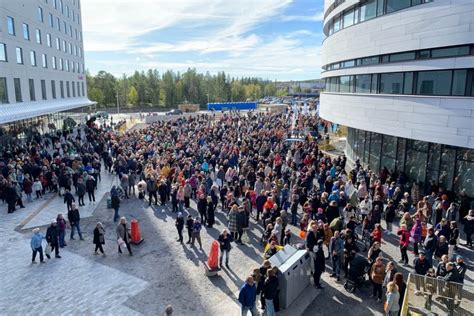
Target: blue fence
x: 232, y: 106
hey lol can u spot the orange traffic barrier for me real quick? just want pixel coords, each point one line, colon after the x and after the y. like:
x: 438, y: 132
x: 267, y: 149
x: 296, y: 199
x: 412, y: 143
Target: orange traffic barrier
x: 212, y: 261
x: 135, y: 232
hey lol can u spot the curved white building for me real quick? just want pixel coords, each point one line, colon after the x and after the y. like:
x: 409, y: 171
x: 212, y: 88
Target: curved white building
x: 42, y: 72
x: 400, y: 75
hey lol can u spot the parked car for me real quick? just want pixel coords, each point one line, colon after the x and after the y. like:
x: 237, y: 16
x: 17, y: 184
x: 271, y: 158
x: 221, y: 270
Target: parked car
x: 175, y: 112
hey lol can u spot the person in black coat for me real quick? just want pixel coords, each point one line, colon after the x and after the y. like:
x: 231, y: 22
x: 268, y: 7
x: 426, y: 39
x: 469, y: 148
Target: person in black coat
x: 90, y: 187
x: 52, y: 238
x: 68, y: 199
x: 210, y: 212
x: 270, y: 291
x: 74, y: 219
x: 180, y: 226
x: 241, y: 220
x: 11, y: 197
x: 224, y: 242
x: 319, y: 265
x: 202, y: 208
x: 163, y: 192
x: 99, y: 238
x: 189, y: 227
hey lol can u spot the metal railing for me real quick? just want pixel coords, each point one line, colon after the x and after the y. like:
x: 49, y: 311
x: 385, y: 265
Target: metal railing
x: 431, y: 296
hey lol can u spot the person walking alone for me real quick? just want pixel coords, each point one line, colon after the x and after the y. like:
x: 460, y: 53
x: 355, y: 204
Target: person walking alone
x: 115, y: 201
x: 36, y: 245
x: 99, y: 238
x: 122, y: 236
x: 74, y: 219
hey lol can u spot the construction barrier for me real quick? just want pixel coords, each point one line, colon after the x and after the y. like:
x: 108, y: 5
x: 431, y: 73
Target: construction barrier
x: 135, y: 232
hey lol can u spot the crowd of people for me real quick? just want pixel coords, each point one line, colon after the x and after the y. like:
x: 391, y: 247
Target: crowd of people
x: 246, y: 167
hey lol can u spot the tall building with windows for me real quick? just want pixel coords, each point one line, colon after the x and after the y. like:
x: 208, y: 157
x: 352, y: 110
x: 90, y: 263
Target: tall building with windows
x: 42, y: 76
x: 400, y: 75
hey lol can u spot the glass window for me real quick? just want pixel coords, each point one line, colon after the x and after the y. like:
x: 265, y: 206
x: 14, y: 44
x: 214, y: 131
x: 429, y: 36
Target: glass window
x: 65, y: 27
x: 402, y: 56
x: 67, y: 89
x: 78, y: 90
x: 408, y: 83
x: 337, y: 24
x: 38, y: 36
x: 368, y: 10
x: 53, y: 89
x: 58, y: 24
x: 3, y: 90
x: 73, y: 89
x: 55, y: 4
x: 385, y: 58
x: 17, y: 85
x: 33, y: 58
x: 53, y: 61
x: 26, y: 31
x: 401, y: 150
x: 465, y: 154
x: 365, y: 157
x: 67, y: 65
x: 375, y: 147
x: 415, y: 166
x: 48, y: 40
x: 446, y: 170
x: 83, y: 89
x: 345, y: 84
x: 3, y: 52
x: 19, y: 55
x: 459, y: 82
x: 43, y: 89
x: 44, y: 60
x: 61, y: 88
x: 11, y: 25
x: 450, y: 51
x: 391, y: 83
x: 464, y: 176
x: 375, y: 84
x: 40, y: 14
x: 61, y: 6
x: 395, y: 5
x: 434, y: 155
x: 348, y: 63
x: 58, y: 46
x: 380, y: 7
x: 362, y: 83
x: 31, y: 84
x: 434, y: 82
x: 369, y: 60
x: 50, y: 20
x: 348, y: 18
x: 424, y: 54
x: 64, y: 46
x: 61, y: 64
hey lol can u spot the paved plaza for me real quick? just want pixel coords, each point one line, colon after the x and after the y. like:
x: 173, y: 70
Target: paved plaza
x: 161, y: 272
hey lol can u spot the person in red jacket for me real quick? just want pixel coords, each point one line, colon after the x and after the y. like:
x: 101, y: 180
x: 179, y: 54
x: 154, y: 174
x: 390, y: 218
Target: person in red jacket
x: 376, y: 234
x: 404, y: 243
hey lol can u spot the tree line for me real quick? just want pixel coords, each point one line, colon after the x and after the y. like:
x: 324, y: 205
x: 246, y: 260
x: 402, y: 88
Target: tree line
x: 152, y: 89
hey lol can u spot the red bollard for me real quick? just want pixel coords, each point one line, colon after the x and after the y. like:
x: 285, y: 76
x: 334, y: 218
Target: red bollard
x: 135, y: 232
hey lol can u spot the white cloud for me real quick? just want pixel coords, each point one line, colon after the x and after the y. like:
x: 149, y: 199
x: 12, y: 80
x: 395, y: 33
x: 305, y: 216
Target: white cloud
x: 304, y: 18
x: 111, y: 25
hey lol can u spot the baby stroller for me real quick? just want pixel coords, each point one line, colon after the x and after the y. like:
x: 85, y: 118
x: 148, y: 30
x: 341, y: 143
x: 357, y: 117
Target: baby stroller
x: 357, y: 271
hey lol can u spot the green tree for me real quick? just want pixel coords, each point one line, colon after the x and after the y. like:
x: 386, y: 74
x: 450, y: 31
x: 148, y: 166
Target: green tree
x: 133, y: 96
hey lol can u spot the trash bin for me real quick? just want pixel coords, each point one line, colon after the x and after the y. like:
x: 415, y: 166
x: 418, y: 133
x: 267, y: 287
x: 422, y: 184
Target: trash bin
x: 295, y: 268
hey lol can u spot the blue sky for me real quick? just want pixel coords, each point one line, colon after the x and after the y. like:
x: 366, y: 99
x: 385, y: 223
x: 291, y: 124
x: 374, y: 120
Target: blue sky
x: 270, y: 39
